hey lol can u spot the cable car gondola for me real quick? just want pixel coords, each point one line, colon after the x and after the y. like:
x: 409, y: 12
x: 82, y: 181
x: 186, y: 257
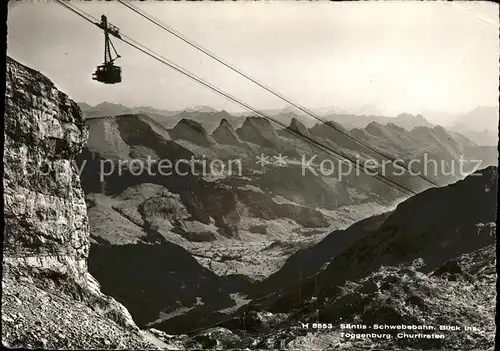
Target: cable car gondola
x: 108, y: 73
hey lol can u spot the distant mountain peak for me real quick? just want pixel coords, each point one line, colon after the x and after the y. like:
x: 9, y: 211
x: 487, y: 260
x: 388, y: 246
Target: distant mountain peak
x: 335, y: 125
x: 440, y: 129
x: 409, y: 121
x: 84, y: 105
x: 201, y: 108
x: 257, y: 121
x: 191, y: 131
x: 395, y: 127
x: 299, y: 127
x: 480, y: 118
x: 224, y: 122
x: 109, y: 104
x: 376, y: 129
x: 225, y: 134
x: 259, y: 131
x: 374, y: 124
x: 296, y: 123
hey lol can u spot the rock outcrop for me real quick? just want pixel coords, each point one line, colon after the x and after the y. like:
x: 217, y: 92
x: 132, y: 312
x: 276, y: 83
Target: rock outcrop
x: 49, y: 299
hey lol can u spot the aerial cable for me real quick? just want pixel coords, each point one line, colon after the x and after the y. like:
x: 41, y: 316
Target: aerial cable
x: 262, y: 85
x: 199, y: 80
x: 172, y: 65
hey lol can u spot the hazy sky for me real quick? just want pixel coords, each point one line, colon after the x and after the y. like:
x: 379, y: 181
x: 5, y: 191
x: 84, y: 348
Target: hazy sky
x: 401, y: 57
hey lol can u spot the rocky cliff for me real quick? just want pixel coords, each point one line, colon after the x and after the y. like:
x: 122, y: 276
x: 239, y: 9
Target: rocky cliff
x: 49, y: 299
x: 45, y: 213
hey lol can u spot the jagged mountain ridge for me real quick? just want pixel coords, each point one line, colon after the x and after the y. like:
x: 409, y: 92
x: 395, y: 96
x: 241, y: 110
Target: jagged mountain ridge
x: 268, y: 203
x: 353, y: 119
x: 205, y: 115
x: 246, y: 151
x: 448, y: 144
x: 483, y: 132
x: 264, y: 193
x: 404, y: 120
x: 272, y: 140
x: 34, y: 283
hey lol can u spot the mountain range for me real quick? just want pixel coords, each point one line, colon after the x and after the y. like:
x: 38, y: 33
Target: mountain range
x: 479, y: 125
x: 241, y: 226
x: 104, y: 250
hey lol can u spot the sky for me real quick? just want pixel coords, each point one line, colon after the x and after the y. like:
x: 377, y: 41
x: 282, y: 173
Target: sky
x: 397, y: 56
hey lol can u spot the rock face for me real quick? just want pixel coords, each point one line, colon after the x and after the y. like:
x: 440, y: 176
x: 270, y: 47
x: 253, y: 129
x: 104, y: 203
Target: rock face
x: 45, y: 211
x: 49, y: 299
x: 225, y: 134
x: 193, y: 132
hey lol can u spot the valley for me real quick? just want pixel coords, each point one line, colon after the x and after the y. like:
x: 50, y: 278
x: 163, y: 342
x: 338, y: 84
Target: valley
x: 243, y: 227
